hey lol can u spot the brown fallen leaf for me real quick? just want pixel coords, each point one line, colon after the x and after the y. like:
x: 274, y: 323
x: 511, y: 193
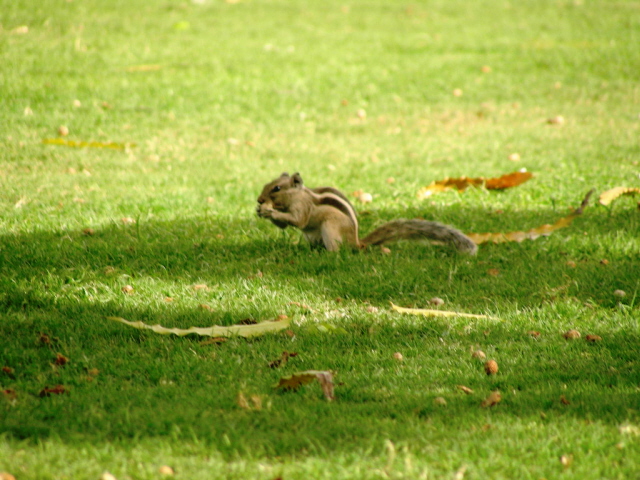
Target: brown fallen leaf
x: 284, y: 358
x: 534, y: 233
x: 61, y: 360
x: 593, y: 338
x: 564, y: 401
x: 606, y: 198
x: 493, y: 399
x: 494, y: 272
x: 44, y: 339
x: 166, y: 470
x: 9, y: 394
x: 57, y: 390
x: 9, y: 371
x: 533, y: 333
x: 491, y: 367
x: 128, y: 289
x: 462, y: 183
x: 295, y: 381
x: 464, y: 389
x: 571, y: 334
x: 478, y: 354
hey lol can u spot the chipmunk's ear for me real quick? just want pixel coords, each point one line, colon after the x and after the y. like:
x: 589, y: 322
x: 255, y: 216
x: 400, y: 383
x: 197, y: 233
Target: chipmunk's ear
x: 297, y: 180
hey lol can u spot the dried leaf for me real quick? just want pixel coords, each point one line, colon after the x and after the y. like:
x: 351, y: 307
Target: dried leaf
x: 435, y: 313
x: 61, y: 360
x: 593, y: 338
x: 57, y: 390
x: 542, y: 231
x: 564, y: 401
x: 493, y: 399
x: 80, y: 144
x: 215, y: 331
x: 464, y: 389
x: 610, y: 195
x: 295, y: 381
x: 242, y: 401
x: 279, y: 362
x: 462, y: 183
x: 491, y: 367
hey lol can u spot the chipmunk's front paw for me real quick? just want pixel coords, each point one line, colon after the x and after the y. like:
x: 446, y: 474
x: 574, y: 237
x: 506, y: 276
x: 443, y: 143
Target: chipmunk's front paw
x: 265, y: 210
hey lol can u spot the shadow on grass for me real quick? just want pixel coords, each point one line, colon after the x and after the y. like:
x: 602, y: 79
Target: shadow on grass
x: 64, y: 283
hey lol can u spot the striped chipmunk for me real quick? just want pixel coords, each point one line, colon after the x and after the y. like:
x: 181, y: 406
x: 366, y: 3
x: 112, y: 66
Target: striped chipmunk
x: 328, y: 219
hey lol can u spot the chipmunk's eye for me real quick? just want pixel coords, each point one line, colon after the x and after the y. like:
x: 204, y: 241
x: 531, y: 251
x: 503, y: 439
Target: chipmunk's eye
x: 275, y: 189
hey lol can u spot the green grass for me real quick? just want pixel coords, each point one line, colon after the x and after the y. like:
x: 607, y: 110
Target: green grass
x: 236, y: 94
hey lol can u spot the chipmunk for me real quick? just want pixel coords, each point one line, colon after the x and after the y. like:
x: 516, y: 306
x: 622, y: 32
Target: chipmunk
x: 328, y: 219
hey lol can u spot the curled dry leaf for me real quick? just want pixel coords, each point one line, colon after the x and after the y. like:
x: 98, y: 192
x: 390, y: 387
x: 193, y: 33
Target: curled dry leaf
x: 365, y: 198
x: 564, y: 401
x: 88, y: 232
x: 534, y: 233
x: 441, y: 401
x: 284, y: 358
x: 493, y: 399
x: 478, y: 354
x: 398, y: 356
x: 128, y: 289
x: 436, y: 301
x: 166, y: 470
x: 200, y: 286
x: 491, y: 367
x: 593, y: 338
x: 533, y: 333
x: 464, y: 389
x: 57, y: 390
x: 557, y: 120
x: 571, y: 334
x: 8, y: 370
x: 295, y: 381
x: 462, y: 183
x: 61, y: 360
x: 606, y: 198
x: 494, y: 272
x: 9, y: 394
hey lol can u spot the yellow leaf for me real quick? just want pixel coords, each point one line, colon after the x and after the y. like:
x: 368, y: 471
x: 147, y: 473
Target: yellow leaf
x: 80, y: 144
x: 541, y: 231
x: 215, y: 331
x: 610, y: 195
x: 435, y: 313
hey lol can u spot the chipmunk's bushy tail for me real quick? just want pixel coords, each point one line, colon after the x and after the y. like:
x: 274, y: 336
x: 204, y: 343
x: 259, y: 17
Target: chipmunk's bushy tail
x: 420, y: 230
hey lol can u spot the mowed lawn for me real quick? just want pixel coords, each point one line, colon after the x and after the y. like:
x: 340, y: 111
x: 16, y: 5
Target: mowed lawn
x: 135, y: 138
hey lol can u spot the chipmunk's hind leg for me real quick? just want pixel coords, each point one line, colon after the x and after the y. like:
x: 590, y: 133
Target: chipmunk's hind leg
x: 331, y: 237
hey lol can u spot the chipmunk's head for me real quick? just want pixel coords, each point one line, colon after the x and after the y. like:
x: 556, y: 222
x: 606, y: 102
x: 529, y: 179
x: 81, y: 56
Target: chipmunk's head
x: 275, y: 193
